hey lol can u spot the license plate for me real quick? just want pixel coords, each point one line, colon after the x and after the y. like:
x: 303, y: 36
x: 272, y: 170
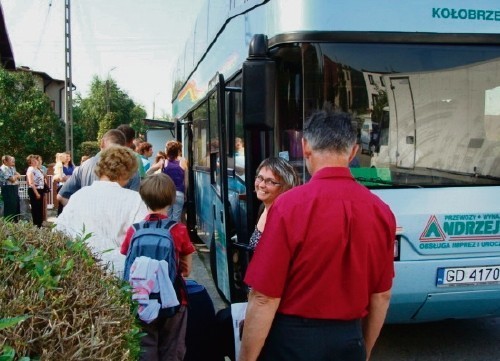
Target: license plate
x: 468, y: 275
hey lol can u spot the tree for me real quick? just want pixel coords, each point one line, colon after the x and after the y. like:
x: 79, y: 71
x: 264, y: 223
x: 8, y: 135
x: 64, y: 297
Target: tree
x: 108, y: 122
x: 27, y: 122
x: 106, y: 107
x: 137, y: 115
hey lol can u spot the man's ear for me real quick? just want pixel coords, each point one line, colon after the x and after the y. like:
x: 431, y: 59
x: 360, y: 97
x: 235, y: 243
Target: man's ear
x: 354, y: 151
x: 306, y: 148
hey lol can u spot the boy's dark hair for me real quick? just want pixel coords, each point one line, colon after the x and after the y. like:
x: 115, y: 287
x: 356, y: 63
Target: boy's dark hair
x: 157, y: 191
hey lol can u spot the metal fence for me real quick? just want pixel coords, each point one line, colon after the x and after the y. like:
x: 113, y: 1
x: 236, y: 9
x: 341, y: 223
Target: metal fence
x: 23, y: 190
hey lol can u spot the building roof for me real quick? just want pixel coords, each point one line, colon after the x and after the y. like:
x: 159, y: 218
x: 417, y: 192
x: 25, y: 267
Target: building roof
x: 46, y: 78
x: 6, y: 55
x: 158, y: 124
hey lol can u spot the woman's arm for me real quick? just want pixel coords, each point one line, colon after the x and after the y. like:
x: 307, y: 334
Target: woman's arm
x: 31, y: 182
x: 155, y: 167
x: 184, y: 165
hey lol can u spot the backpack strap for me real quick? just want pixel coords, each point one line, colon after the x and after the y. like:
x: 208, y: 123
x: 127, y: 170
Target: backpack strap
x: 170, y: 224
x: 147, y: 224
x: 179, y: 283
x: 159, y: 222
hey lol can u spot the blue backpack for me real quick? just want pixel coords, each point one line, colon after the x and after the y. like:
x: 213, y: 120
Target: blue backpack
x: 153, y: 239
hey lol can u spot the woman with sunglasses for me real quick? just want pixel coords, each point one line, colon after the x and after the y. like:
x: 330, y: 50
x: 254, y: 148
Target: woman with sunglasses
x: 273, y: 177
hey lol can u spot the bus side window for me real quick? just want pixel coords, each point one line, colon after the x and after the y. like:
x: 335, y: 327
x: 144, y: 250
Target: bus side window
x: 239, y: 143
x: 200, y: 136
x: 239, y: 157
x: 215, y: 162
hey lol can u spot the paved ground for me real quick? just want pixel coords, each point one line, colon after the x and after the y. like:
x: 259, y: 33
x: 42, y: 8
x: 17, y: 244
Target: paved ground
x: 201, y: 273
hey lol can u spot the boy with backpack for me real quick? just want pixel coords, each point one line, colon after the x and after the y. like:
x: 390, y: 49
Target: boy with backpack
x: 160, y: 240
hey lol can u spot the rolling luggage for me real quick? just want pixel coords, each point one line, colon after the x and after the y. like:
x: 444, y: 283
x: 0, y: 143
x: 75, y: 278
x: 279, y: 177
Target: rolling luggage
x: 200, y: 340
x: 229, y: 324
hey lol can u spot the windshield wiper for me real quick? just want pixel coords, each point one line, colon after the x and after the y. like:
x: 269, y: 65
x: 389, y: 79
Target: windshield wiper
x: 381, y: 181
x: 467, y: 175
x: 485, y: 176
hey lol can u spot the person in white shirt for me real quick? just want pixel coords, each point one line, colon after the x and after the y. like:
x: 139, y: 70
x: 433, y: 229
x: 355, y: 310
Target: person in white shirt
x: 10, y: 188
x: 36, y: 180
x: 105, y: 209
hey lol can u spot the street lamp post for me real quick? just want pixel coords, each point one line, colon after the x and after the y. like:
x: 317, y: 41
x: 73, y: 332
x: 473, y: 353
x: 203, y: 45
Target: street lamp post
x: 68, y: 82
x: 154, y: 104
x: 108, y: 106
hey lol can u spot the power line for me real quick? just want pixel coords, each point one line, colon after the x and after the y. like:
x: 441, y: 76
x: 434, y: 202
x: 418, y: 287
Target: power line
x: 42, y: 33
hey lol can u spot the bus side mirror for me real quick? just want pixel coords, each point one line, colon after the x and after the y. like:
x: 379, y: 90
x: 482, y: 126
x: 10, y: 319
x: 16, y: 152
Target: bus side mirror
x: 258, y: 87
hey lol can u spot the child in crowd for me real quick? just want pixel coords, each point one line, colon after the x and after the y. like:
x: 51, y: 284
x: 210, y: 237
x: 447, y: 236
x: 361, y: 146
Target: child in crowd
x: 165, y: 336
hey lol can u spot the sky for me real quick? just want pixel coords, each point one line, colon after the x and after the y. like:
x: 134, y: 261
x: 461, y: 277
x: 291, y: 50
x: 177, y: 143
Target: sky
x: 136, y: 43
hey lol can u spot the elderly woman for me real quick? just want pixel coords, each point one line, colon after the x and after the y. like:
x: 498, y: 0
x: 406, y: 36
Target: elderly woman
x: 273, y: 177
x: 105, y: 209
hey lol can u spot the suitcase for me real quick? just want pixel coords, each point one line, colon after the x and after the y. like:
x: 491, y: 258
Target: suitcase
x: 229, y: 324
x: 200, y: 339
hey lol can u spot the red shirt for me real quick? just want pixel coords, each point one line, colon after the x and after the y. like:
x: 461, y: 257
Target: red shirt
x: 182, y: 242
x: 326, y: 247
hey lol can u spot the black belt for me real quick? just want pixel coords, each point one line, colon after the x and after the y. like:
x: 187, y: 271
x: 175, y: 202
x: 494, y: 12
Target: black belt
x: 315, y: 321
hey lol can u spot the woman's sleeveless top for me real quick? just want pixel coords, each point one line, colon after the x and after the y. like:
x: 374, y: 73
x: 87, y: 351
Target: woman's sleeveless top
x: 255, y: 238
x: 68, y: 170
x: 175, y: 171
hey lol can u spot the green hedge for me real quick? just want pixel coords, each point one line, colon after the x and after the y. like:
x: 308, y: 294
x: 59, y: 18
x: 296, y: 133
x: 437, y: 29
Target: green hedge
x: 58, y: 303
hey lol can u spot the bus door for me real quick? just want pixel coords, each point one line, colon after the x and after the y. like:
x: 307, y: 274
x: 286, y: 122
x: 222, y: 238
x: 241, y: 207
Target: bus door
x: 405, y: 122
x: 220, y: 247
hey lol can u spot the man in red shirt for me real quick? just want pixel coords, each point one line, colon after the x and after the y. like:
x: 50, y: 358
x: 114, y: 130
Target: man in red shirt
x: 322, y: 273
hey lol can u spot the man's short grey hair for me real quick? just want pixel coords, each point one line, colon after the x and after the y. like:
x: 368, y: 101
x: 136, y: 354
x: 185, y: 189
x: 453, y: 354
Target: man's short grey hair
x: 330, y: 131
x: 113, y: 136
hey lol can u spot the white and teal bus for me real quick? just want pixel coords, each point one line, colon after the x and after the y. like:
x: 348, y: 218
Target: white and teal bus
x: 422, y: 78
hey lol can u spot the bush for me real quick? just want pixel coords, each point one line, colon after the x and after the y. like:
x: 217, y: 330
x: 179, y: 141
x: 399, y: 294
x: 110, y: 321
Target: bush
x: 58, y: 303
x: 87, y: 148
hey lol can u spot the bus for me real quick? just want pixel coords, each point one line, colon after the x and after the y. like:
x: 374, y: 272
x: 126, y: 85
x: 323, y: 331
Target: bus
x: 425, y: 74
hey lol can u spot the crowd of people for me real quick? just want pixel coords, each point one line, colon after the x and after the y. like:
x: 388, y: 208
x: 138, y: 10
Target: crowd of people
x: 322, y: 252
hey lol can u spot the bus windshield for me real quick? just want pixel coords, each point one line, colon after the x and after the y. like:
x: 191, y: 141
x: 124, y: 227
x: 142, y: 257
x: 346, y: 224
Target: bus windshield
x: 427, y: 114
